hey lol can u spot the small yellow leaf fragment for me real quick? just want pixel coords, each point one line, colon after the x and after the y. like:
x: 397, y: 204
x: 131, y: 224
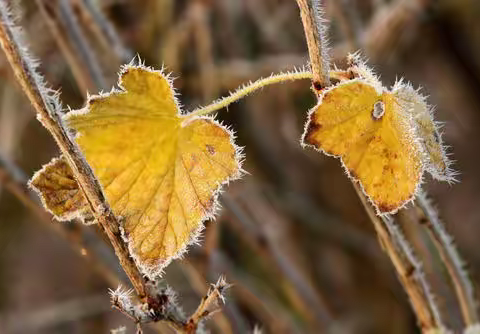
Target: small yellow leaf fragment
x: 159, y: 173
x: 374, y: 139
x: 435, y: 156
x: 59, y: 191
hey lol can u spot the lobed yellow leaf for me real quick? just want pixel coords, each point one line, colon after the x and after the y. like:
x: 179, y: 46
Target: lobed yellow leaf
x: 374, y: 138
x: 161, y: 171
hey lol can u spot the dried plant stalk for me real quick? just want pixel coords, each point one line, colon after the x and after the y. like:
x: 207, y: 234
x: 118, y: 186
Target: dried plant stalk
x: 48, y: 107
x: 209, y: 305
x: 408, y: 269
x: 405, y: 269
x: 311, y: 13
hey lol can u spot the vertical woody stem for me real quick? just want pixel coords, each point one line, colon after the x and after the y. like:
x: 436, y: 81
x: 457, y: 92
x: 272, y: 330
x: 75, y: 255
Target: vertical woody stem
x: 48, y: 110
x: 404, y: 268
x: 311, y: 14
x: 408, y: 271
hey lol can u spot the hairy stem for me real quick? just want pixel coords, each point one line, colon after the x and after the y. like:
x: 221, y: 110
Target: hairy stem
x: 311, y: 13
x: 252, y: 87
x: 48, y: 109
x: 452, y: 260
x: 407, y: 271
x: 248, y: 89
x: 418, y: 272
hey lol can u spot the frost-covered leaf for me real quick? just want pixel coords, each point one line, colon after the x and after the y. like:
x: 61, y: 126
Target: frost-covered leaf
x: 161, y: 171
x: 436, y: 160
x: 385, y: 139
x: 59, y: 191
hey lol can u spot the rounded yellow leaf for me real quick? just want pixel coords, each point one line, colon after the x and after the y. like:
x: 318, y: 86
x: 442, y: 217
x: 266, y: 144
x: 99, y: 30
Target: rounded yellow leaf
x: 374, y: 138
x: 160, y: 170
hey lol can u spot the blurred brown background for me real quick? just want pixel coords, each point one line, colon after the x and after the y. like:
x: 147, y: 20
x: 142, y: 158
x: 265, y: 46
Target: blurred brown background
x: 293, y: 236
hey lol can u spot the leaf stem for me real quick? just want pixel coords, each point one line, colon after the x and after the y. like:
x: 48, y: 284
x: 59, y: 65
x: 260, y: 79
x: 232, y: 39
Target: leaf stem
x: 249, y: 89
x: 252, y: 87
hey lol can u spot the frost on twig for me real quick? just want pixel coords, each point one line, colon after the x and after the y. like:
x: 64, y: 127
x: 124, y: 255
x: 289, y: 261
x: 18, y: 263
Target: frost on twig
x: 210, y: 304
x: 162, y: 306
x: 122, y: 300
x: 314, y: 25
x: 418, y: 274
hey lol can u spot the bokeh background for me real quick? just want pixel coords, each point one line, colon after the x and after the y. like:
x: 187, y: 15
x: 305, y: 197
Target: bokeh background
x: 292, y: 236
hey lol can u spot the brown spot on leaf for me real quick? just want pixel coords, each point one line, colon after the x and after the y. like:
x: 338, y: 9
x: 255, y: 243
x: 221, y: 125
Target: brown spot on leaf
x: 210, y: 149
x: 353, y: 174
x: 311, y: 130
x: 383, y: 207
x: 317, y: 86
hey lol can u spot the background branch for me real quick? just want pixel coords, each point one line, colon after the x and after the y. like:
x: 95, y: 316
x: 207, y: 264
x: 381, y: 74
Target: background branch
x: 452, y: 260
